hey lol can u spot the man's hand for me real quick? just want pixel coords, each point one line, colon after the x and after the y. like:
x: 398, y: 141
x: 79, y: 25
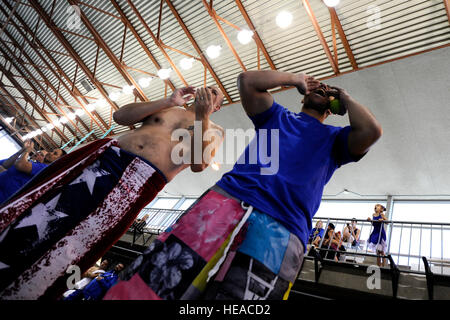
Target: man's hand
x: 28, y: 146
x: 306, y: 84
x: 181, y: 96
x: 203, y: 103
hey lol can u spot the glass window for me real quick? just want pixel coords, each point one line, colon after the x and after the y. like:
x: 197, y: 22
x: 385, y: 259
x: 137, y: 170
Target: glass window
x: 426, y: 211
x: 165, y: 203
x: 7, y: 146
x: 347, y: 209
x: 187, y: 203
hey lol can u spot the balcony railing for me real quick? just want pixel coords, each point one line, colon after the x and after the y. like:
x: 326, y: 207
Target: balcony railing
x: 407, y: 243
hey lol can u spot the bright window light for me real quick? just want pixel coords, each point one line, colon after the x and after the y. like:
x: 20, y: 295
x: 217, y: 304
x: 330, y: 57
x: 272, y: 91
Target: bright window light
x: 71, y: 116
x: 213, y: 51
x: 44, y: 129
x: 284, y: 19
x: 164, y: 73
x: 63, y: 120
x: 9, y: 120
x: 331, y: 3
x: 8, y: 146
x: 245, y: 36
x: 186, y: 63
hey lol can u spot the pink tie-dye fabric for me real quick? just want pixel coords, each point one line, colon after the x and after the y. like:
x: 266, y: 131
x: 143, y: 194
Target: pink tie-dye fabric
x: 207, y: 225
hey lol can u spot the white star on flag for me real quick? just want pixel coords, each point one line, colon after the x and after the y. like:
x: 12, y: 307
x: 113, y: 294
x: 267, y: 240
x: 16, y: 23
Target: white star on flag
x: 116, y: 150
x: 41, y: 215
x: 90, y: 174
x: 3, y: 266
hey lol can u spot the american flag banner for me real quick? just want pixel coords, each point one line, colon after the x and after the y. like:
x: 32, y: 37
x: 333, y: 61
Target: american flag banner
x: 70, y: 215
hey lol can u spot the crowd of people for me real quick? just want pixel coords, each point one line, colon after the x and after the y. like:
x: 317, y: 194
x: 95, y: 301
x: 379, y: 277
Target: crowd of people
x: 96, y: 281
x: 22, y: 166
x: 331, y: 243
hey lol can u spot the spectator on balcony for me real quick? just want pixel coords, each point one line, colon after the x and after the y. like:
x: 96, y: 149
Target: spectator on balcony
x: 377, y: 239
x: 351, y: 233
x: 97, y: 288
x: 316, y: 233
x: 326, y: 239
x: 90, y: 274
x: 39, y: 156
x: 335, y: 245
x: 140, y: 223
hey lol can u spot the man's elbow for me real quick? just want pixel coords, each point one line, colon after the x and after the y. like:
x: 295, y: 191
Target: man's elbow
x: 376, y: 132
x: 22, y: 167
x: 198, y: 167
x: 244, y: 80
x: 119, y: 118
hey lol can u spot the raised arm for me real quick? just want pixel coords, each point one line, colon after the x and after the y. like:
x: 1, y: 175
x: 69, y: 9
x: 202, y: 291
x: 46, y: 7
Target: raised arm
x: 137, y: 112
x: 211, y: 135
x: 22, y: 164
x: 8, y: 163
x: 366, y: 130
x: 253, y: 86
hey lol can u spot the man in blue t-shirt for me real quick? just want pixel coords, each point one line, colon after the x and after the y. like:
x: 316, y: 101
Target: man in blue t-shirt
x: 248, y: 233
x: 17, y: 170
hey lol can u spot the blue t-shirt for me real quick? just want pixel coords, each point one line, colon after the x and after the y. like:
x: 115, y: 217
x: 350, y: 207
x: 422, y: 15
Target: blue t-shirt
x: 309, y: 153
x: 316, y: 233
x: 12, y: 179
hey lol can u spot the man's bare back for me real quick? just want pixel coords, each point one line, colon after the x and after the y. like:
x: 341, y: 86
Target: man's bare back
x: 153, y: 140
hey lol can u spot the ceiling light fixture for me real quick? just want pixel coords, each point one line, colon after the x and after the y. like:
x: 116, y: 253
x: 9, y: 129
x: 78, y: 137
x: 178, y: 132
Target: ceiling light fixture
x: 186, y: 63
x: 90, y: 107
x: 213, y: 51
x: 145, y: 82
x: 284, y: 19
x: 114, y: 96
x: 79, y: 112
x: 71, y: 116
x: 128, y: 89
x: 331, y: 3
x: 245, y: 36
x: 63, y: 120
x: 164, y: 73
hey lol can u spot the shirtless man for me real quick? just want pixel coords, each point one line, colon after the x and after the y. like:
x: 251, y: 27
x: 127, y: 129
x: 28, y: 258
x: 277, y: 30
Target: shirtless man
x: 152, y: 140
x: 87, y: 200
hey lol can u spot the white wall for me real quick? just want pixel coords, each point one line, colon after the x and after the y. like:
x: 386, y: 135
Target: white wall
x: 410, y: 97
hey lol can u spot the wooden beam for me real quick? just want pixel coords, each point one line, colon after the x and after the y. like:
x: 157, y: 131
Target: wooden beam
x: 110, y: 54
x: 447, y: 9
x: 198, y: 50
x: 322, y: 40
x: 213, y: 16
x: 256, y: 36
x: 142, y: 43
x: 343, y: 38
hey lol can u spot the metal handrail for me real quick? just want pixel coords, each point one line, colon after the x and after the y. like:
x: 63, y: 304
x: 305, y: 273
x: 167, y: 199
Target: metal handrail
x: 407, y: 253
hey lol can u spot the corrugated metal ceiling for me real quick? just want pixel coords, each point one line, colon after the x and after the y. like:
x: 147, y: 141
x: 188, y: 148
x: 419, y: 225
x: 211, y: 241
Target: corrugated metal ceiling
x: 377, y: 31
